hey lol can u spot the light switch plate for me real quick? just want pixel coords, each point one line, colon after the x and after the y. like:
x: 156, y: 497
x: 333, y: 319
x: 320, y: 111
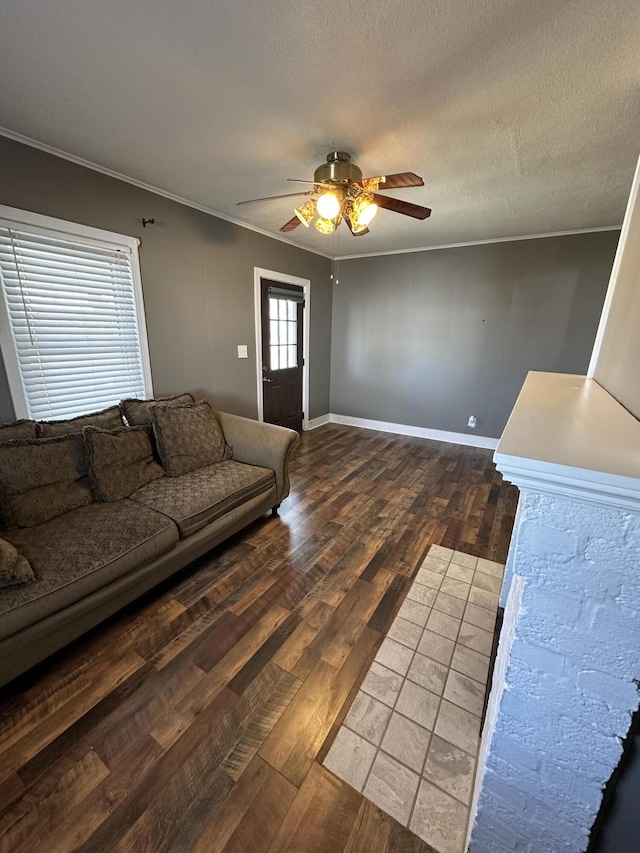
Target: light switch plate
x: 242, y: 351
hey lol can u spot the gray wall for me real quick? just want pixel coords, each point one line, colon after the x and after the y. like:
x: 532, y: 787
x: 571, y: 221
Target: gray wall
x: 618, y: 365
x: 197, y: 274
x: 427, y: 338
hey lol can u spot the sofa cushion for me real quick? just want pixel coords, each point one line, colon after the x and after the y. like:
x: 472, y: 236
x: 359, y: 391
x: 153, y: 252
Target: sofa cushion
x: 80, y: 552
x: 120, y: 461
x: 42, y: 478
x: 136, y: 412
x: 188, y: 437
x: 104, y: 419
x: 18, y: 429
x: 199, y: 497
x: 14, y: 568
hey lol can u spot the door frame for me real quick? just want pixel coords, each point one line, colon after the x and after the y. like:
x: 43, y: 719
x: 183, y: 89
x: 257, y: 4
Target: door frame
x: 305, y: 284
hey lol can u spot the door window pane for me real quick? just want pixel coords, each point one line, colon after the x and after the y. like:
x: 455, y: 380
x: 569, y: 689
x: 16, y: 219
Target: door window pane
x: 275, y: 358
x: 283, y: 333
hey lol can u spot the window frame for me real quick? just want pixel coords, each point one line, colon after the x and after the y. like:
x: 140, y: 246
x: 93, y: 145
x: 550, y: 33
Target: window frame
x: 12, y: 217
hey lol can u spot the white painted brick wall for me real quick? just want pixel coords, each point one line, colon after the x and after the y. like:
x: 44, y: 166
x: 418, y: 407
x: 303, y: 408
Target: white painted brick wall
x: 571, y: 658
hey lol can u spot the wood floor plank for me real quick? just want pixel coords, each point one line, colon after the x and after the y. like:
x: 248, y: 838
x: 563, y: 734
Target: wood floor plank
x: 295, y: 646
x: 199, y: 749
x: 295, y: 740
x: 374, y: 831
x: 136, y: 717
x: 251, y: 814
x: 82, y: 727
x: 197, y: 718
x: 264, y: 701
x: 57, y: 791
x: 77, y: 825
x: 10, y: 789
x: 368, y: 598
x: 169, y: 729
x: 257, y: 662
x: 321, y: 816
x: 387, y: 607
x: 107, y: 678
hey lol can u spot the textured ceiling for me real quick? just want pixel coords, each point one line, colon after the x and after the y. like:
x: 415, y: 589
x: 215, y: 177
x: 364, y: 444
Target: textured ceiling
x: 522, y: 117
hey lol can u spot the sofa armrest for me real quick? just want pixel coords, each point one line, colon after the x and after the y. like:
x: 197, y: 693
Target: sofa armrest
x: 258, y: 443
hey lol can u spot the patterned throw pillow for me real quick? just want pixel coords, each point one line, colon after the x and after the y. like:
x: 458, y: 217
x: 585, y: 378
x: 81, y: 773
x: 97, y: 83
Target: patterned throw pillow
x: 120, y: 461
x: 14, y: 568
x: 104, y: 419
x: 17, y: 430
x: 42, y: 478
x: 136, y: 412
x: 188, y: 437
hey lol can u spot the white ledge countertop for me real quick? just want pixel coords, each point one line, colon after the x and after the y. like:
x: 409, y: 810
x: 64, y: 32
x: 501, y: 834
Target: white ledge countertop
x: 568, y: 436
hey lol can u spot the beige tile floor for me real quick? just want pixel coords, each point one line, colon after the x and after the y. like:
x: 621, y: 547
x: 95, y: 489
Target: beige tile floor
x: 410, y: 739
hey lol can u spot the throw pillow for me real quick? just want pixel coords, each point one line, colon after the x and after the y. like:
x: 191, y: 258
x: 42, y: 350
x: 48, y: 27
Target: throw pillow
x: 104, y: 419
x: 42, y: 478
x: 14, y: 568
x: 18, y: 429
x: 136, y: 412
x: 120, y: 461
x: 188, y: 437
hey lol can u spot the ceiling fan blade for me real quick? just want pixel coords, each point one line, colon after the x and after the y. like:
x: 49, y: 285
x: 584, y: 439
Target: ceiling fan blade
x: 269, y: 197
x: 400, y: 206
x: 355, y: 233
x: 291, y: 224
x: 315, y: 183
x: 400, y: 180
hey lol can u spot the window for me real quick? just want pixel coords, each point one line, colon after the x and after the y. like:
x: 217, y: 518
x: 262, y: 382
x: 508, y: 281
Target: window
x: 283, y: 333
x: 71, y: 316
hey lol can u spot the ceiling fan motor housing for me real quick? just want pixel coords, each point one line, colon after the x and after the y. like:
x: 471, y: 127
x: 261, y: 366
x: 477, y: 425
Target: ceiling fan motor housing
x: 337, y: 170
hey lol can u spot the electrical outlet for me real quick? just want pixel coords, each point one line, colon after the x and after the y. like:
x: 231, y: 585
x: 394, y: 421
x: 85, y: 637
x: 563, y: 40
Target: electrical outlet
x: 243, y: 351
x: 472, y: 422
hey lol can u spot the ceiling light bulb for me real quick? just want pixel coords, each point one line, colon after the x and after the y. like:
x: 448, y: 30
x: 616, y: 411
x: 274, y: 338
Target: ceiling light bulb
x: 325, y: 226
x: 328, y: 206
x: 306, y: 212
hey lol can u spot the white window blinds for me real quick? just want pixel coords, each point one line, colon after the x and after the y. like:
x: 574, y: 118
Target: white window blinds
x: 72, y: 313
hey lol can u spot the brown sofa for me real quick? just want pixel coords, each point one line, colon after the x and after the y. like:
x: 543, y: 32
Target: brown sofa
x: 91, y: 561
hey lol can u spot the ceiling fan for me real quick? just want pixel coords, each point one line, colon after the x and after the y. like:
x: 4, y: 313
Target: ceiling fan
x: 340, y: 192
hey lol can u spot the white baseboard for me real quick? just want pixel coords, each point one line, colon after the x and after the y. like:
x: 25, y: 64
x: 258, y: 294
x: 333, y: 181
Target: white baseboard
x: 405, y: 429
x: 314, y: 423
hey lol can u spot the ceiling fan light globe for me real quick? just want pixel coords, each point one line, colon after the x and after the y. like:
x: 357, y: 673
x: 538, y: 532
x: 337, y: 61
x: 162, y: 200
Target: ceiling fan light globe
x: 328, y: 205
x: 325, y: 226
x: 306, y: 212
x: 367, y: 214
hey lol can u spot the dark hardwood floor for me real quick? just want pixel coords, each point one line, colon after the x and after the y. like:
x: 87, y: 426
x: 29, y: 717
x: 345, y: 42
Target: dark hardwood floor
x: 197, y: 718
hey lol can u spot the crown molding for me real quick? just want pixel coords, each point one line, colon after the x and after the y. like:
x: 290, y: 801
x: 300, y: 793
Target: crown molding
x: 111, y: 173
x: 480, y: 242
